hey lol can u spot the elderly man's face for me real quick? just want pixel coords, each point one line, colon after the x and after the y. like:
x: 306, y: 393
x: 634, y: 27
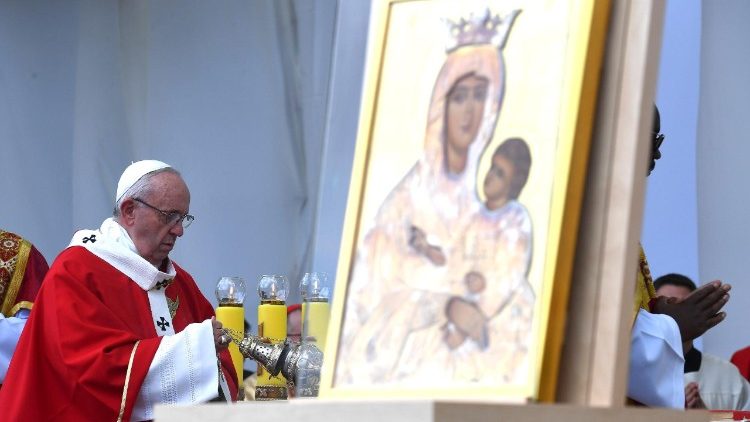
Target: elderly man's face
x: 152, y: 236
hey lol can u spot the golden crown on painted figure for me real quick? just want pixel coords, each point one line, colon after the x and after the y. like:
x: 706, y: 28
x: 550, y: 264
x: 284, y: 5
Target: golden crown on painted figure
x: 481, y: 28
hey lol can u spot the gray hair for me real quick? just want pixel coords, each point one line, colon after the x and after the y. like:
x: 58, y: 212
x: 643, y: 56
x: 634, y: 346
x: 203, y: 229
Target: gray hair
x: 142, y: 187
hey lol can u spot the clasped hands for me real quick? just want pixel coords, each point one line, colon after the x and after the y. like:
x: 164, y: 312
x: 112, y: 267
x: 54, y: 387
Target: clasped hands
x: 698, y: 312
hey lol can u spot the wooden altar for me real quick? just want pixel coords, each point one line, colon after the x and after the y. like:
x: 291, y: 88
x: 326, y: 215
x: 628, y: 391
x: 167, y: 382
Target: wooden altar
x: 415, y: 411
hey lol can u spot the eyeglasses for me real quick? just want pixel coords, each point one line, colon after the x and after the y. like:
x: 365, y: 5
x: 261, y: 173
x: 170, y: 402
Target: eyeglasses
x: 658, y: 139
x: 171, y: 218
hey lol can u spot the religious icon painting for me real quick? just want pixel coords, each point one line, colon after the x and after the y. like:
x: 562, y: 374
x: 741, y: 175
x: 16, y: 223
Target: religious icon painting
x: 463, y: 208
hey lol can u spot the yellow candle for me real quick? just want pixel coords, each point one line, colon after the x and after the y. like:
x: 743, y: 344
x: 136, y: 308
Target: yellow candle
x: 233, y: 319
x: 316, y: 323
x: 272, y: 325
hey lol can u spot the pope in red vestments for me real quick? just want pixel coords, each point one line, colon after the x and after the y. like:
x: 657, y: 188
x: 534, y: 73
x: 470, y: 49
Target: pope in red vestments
x: 117, y: 326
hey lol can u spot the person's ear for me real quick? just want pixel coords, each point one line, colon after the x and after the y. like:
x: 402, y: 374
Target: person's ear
x: 127, y: 211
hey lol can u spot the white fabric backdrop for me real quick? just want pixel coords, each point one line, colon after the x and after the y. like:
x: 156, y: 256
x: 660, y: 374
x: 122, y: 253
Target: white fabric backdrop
x: 670, y: 232
x: 723, y: 170
x: 38, y: 43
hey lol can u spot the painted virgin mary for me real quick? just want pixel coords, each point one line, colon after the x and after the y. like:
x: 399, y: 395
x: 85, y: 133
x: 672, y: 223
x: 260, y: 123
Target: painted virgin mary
x: 400, y: 279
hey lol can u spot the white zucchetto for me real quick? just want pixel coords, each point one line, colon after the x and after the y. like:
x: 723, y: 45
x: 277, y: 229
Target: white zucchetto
x: 134, y: 172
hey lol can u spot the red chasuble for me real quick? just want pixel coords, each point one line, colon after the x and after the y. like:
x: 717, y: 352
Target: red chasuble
x: 89, y: 342
x: 22, y: 269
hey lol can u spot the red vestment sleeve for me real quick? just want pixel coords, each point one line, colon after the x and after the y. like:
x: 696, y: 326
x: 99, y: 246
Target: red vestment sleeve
x: 230, y: 374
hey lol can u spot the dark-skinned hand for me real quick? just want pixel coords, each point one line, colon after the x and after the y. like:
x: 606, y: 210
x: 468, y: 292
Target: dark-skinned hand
x: 698, y: 312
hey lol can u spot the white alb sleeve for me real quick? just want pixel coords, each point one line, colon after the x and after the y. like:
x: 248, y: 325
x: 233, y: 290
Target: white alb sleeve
x: 184, y: 371
x: 656, y: 362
